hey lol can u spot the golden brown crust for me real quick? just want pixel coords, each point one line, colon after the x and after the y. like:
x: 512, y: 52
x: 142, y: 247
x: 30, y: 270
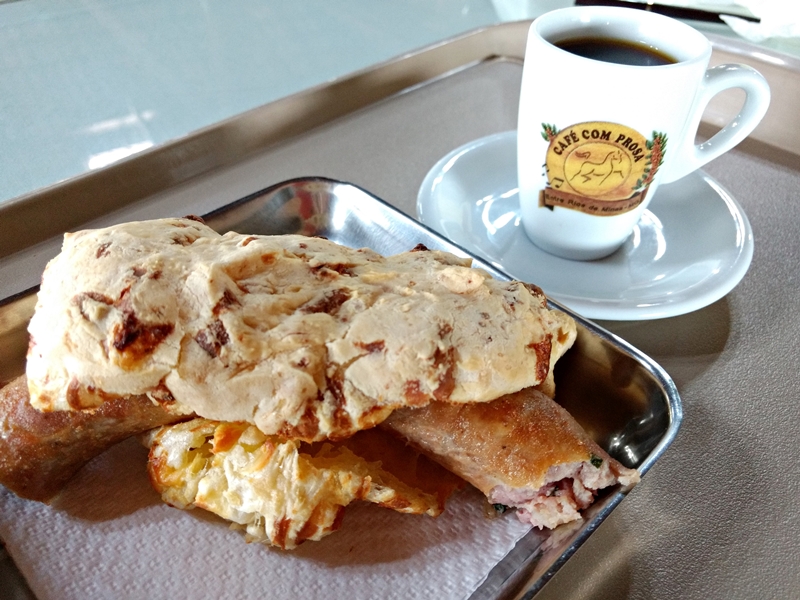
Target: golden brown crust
x: 40, y: 452
x: 510, y: 442
x: 301, y: 336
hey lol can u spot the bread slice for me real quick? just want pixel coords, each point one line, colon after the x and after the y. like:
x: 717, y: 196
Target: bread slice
x: 40, y: 452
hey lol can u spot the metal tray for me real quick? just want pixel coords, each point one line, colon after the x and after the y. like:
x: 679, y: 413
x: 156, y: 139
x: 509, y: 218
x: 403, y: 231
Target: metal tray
x: 625, y: 400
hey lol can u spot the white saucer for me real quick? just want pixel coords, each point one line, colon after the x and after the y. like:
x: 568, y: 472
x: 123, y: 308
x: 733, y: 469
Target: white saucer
x: 691, y: 247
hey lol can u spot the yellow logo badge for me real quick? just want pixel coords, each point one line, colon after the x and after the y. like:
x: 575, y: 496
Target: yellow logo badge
x: 599, y: 168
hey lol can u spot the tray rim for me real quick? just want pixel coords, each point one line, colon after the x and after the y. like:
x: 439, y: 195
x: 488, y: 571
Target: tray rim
x: 28, y: 219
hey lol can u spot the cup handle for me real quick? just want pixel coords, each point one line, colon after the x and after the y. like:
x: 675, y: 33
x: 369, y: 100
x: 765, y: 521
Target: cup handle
x: 717, y: 79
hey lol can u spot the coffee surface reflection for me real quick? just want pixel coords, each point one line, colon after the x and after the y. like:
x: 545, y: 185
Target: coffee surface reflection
x: 621, y: 52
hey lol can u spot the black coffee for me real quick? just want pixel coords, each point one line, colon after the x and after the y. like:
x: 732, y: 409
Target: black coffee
x: 621, y: 52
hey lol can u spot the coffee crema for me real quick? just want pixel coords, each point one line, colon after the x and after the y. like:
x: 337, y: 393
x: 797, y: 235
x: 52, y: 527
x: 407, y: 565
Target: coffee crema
x: 623, y: 52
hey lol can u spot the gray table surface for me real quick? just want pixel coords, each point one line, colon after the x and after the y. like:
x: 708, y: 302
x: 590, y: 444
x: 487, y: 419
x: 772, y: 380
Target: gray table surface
x: 717, y: 517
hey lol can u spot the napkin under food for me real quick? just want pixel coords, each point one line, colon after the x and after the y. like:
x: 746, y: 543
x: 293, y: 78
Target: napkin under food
x: 110, y: 536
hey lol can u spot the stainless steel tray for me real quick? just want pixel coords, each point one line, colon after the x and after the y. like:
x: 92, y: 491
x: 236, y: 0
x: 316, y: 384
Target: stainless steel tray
x: 625, y: 400
x: 628, y: 403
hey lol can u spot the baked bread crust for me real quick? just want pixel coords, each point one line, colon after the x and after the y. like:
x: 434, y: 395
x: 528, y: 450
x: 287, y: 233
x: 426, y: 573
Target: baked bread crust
x: 40, y: 452
x: 300, y: 336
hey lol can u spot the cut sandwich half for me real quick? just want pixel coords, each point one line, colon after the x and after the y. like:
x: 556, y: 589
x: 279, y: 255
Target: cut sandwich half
x: 522, y: 451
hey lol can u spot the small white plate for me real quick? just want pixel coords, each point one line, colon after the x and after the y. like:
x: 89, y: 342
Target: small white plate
x: 691, y: 247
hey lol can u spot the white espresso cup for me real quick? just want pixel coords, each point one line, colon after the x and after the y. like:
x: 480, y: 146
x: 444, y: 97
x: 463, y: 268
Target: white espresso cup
x: 596, y: 137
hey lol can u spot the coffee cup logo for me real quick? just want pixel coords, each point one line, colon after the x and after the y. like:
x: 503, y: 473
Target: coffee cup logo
x: 599, y: 168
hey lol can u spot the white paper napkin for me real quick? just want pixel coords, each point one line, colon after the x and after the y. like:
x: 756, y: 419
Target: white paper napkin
x: 110, y: 536
x: 779, y: 19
